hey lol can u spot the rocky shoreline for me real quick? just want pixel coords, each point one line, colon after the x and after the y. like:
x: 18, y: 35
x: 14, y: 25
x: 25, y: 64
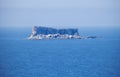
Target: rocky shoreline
x: 39, y: 33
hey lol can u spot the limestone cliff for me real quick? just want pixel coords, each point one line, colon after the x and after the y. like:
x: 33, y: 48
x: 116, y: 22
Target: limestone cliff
x: 46, y: 30
x: 39, y: 32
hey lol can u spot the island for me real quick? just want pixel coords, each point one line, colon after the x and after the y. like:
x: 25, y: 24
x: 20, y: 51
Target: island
x: 39, y: 32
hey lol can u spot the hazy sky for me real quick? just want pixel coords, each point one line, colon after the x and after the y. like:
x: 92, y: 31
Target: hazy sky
x: 60, y: 13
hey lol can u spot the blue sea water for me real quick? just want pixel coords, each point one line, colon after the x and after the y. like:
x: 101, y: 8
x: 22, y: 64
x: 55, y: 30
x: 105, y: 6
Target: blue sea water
x: 99, y: 57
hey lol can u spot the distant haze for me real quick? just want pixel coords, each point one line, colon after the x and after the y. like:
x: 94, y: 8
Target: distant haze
x: 60, y: 13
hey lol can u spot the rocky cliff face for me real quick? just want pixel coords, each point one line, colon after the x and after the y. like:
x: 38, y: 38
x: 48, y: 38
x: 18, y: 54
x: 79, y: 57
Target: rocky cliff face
x: 52, y: 33
x: 45, y: 31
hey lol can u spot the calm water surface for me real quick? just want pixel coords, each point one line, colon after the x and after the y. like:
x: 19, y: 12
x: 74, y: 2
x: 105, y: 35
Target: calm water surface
x: 59, y: 58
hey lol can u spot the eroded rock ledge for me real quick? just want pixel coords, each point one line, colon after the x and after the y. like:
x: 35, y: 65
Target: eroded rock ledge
x: 39, y: 32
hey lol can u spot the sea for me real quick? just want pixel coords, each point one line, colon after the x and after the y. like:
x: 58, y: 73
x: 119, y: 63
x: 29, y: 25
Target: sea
x: 20, y: 57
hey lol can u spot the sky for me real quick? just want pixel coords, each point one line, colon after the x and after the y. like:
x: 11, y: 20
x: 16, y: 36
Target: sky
x: 60, y: 13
